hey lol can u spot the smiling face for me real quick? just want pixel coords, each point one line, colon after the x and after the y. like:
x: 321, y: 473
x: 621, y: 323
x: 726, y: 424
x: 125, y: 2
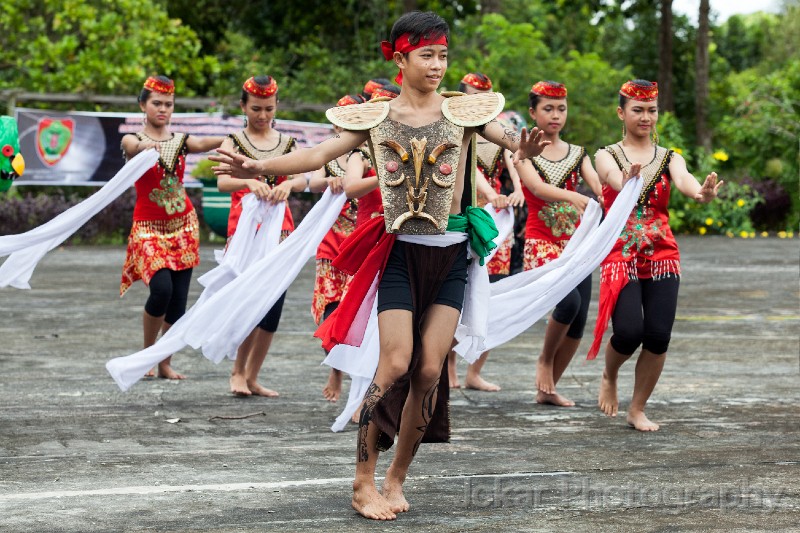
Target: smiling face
x: 424, y: 67
x: 550, y: 114
x: 639, y: 117
x: 158, y: 108
x: 260, y: 112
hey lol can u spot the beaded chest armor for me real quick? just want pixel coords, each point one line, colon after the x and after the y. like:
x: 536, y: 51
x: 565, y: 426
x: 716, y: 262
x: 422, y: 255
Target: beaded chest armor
x: 170, y: 195
x: 557, y: 172
x: 417, y: 167
x: 244, y: 145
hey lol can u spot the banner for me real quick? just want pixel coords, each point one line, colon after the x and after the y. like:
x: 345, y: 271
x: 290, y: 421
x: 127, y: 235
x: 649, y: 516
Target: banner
x: 83, y: 148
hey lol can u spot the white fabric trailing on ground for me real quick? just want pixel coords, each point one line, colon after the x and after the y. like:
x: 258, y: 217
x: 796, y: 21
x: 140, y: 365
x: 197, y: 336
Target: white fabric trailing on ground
x: 27, y: 249
x: 518, y: 301
x: 257, y: 233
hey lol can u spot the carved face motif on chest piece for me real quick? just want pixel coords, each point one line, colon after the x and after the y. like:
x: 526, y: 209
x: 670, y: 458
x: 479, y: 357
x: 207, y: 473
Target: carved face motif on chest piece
x: 417, y: 194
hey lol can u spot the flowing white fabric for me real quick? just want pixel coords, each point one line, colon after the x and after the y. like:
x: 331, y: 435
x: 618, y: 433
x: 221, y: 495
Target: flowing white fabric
x: 518, y: 301
x: 361, y: 362
x: 27, y: 249
x: 257, y: 233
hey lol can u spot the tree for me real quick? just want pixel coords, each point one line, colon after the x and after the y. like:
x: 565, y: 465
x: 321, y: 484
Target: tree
x: 666, y: 100
x: 702, y: 132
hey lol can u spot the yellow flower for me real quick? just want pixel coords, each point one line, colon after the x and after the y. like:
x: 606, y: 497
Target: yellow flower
x: 782, y: 234
x: 709, y: 221
x: 765, y: 234
x: 743, y: 234
x: 790, y: 234
x: 729, y: 233
x: 720, y: 155
x: 677, y: 150
x: 719, y: 223
x: 752, y: 235
x: 701, y: 230
x: 740, y: 202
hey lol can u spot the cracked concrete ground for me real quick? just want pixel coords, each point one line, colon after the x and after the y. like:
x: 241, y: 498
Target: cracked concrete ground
x: 78, y: 455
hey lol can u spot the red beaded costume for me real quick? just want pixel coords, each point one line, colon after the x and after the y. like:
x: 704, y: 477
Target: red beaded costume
x: 165, y: 231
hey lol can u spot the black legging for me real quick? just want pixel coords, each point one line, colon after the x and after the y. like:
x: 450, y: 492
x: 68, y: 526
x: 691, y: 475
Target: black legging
x: 644, y: 314
x: 574, y: 308
x: 169, y: 290
x: 270, y: 321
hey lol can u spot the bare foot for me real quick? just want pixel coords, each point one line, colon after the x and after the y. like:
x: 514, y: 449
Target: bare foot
x: 639, y: 421
x: 554, y: 399
x: 166, y: 372
x: 392, y: 490
x: 478, y: 383
x: 333, y: 388
x: 607, y: 400
x: 150, y: 373
x: 258, y: 390
x: 369, y: 503
x: 239, y: 385
x: 544, y: 377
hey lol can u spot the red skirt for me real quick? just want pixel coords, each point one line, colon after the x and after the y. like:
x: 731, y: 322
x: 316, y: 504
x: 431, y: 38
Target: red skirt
x: 156, y: 244
x: 330, y: 286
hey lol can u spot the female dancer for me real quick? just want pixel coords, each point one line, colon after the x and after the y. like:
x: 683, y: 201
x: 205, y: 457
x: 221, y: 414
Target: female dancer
x: 492, y: 161
x: 330, y: 282
x: 163, y: 245
x: 551, y: 222
x: 259, y: 140
x: 640, y: 277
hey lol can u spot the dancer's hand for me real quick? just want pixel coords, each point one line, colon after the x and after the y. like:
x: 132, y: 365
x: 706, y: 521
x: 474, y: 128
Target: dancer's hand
x: 336, y: 184
x: 579, y: 201
x: 281, y: 192
x: 146, y: 145
x: 500, y: 201
x: 260, y: 189
x: 516, y: 199
x: 709, y: 189
x: 530, y: 145
x: 235, y: 164
x: 636, y: 169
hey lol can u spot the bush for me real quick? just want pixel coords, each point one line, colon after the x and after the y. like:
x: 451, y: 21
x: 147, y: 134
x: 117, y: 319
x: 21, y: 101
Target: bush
x: 728, y: 214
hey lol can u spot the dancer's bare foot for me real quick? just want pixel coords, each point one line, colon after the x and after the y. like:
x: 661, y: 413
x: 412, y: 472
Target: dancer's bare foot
x: 554, y: 399
x: 639, y: 421
x: 452, y: 376
x: 478, y: 383
x: 166, y: 372
x: 544, y: 377
x: 392, y: 490
x: 258, y: 390
x: 239, y: 385
x: 333, y: 388
x: 607, y: 399
x: 150, y: 373
x: 369, y: 503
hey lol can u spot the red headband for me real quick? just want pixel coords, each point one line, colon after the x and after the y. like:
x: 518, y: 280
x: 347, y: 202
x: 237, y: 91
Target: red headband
x: 380, y: 92
x: 402, y: 45
x: 549, y: 89
x: 260, y: 91
x: 636, y: 91
x: 475, y: 80
x: 350, y: 99
x: 158, y: 86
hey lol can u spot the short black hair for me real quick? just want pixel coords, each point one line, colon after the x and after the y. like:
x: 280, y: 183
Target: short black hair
x: 263, y: 81
x: 462, y: 87
x: 643, y: 83
x: 419, y: 24
x: 144, y: 95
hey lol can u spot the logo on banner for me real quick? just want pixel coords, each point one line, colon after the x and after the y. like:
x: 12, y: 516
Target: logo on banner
x: 53, y: 139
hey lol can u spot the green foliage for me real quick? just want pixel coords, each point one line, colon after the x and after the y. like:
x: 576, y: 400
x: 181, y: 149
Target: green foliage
x: 728, y: 214
x: 101, y: 46
x: 202, y: 171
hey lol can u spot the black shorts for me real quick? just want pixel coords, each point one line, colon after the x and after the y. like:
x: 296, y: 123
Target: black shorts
x: 394, y: 291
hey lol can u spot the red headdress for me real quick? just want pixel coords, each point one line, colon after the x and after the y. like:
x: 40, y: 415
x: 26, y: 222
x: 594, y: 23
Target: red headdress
x: 549, y: 89
x: 402, y: 45
x: 157, y: 86
x: 478, y: 80
x: 638, y: 91
x: 350, y: 99
x: 261, y: 91
x: 370, y: 86
x: 385, y: 92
